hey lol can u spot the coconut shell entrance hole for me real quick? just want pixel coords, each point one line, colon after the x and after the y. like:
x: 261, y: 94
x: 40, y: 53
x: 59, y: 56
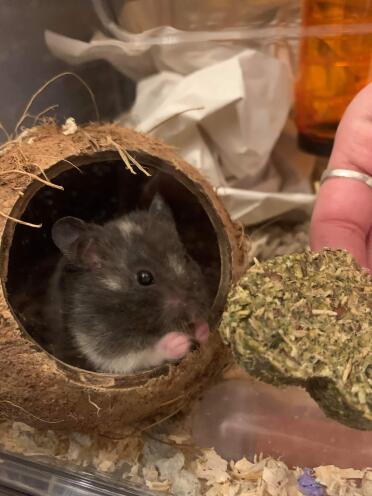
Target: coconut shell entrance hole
x: 36, y: 387
x: 101, y: 191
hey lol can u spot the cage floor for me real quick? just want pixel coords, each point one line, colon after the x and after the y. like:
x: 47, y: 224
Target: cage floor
x: 163, y: 458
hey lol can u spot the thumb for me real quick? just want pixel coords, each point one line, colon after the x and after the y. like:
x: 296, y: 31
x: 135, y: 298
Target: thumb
x: 342, y: 216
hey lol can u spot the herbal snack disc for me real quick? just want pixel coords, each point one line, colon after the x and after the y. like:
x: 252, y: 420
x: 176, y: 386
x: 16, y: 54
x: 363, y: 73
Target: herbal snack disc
x: 305, y: 319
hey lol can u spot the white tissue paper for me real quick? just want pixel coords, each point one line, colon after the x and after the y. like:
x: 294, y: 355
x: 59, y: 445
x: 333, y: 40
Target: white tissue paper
x: 226, y: 112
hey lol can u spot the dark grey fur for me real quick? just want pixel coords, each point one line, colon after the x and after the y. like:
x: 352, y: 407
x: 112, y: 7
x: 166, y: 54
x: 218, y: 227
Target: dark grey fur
x: 131, y: 318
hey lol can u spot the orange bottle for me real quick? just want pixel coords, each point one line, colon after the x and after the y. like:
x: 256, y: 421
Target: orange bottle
x: 334, y: 64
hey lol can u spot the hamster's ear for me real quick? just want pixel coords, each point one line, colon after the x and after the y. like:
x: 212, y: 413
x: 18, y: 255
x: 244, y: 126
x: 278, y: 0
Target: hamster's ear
x: 66, y: 231
x: 160, y: 209
x: 77, y: 241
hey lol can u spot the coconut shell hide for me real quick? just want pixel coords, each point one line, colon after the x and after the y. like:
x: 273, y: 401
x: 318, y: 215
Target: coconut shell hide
x: 37, y: 388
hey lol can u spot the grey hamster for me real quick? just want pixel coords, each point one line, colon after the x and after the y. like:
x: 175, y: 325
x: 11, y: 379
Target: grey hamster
x: 125, y: 296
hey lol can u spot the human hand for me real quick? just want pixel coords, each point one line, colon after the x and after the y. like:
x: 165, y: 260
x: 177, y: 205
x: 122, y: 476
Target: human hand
x: 342, y: 216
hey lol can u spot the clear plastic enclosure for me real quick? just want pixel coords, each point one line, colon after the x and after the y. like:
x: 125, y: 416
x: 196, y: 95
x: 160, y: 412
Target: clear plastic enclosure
x: 305, y: 69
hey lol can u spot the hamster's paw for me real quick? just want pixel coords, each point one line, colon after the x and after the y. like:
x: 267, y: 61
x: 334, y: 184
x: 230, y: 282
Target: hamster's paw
x: 174, y: 345
x: 202, y: 332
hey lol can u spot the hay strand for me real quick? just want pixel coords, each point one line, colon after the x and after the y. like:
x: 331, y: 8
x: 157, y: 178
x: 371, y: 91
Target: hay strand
x: 19, y: 221
x: 45, y: 85
x: 2, y: 128
x: 163, y: 419
x: 127, y: 158
x: 62, y: 160
x: 91, y: 139
x: 33, y: 176
x: 137, y: 164
x: 43, y: 112
x: 31, y: 414
x: 25, y: 159
x: 98, y: 408
x: 122, y: 155
x: 8, y: 143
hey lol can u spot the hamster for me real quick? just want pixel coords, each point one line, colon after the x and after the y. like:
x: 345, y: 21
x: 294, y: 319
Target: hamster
x: 125, y: 296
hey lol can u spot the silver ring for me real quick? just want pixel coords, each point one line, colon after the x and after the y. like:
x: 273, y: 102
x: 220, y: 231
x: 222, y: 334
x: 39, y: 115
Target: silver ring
x: 346, y: 173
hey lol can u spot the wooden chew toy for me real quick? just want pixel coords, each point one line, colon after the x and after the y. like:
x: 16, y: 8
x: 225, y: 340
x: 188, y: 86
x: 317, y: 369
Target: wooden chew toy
x: 37, y: 388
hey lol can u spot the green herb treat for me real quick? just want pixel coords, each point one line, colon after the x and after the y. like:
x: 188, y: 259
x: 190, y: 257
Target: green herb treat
x: 305, y: 319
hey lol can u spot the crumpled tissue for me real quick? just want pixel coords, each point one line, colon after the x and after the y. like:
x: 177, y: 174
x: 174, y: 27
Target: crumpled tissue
x: 228, y: 115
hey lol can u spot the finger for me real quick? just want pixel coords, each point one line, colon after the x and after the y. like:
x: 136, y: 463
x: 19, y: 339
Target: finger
x: 369, y: 250
x: 342, y: 217
x: 353, y: 147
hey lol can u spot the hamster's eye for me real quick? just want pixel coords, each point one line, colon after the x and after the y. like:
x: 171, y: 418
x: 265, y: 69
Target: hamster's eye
x: 145, y: 278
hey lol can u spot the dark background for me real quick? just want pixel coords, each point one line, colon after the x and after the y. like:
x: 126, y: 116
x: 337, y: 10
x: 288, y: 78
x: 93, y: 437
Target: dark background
x: 26, y: 63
